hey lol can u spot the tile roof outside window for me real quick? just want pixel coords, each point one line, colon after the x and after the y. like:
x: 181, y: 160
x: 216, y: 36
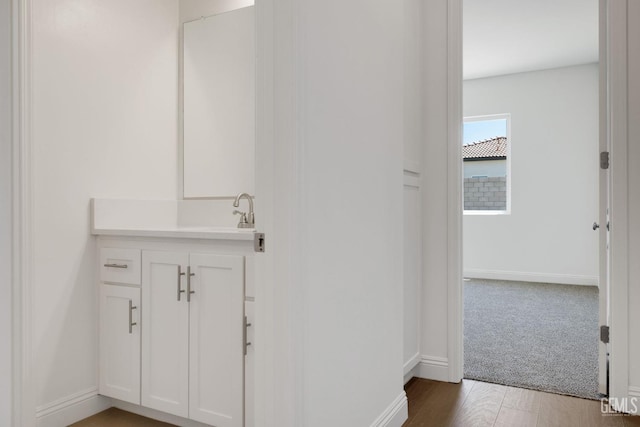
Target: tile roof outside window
x: 494, y: 148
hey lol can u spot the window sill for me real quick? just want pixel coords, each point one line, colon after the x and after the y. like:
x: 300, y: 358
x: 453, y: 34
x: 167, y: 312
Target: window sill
x: 473, y: 213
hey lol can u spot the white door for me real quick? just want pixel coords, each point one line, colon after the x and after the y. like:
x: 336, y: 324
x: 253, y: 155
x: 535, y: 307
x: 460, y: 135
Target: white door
x: 165, y: 332
x: 120, y: 342
x: 604, y: 203
x: 216, y: 377
x: 603, y: 283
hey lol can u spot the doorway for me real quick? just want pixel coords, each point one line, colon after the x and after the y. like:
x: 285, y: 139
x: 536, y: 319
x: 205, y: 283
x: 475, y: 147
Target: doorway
x: 531, y: 194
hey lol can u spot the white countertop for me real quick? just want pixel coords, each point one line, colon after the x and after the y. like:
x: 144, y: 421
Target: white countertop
x: 163, y: 218
x: 212, y: 233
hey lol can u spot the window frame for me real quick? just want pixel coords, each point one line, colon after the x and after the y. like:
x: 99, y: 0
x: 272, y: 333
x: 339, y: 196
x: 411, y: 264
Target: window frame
x: 489, y: 117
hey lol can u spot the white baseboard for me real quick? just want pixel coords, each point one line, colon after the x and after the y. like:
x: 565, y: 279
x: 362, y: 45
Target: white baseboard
x: 72, y: 408
x: 629, y: 404
x: 434, y: 368
x: 395, y: 415
x: 411, y: 363
x: 156, y: 415
x: 523, y: 276
x: 634, y: 403
x: 634, y: 391
x: 415, y: 372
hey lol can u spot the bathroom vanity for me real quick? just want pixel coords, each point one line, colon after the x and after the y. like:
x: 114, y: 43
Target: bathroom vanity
x: 176, y: 276
x: 176, y: 312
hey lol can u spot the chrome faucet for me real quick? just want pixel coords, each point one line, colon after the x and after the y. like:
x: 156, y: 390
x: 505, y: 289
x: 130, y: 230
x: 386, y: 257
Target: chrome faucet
x: 246, y: 220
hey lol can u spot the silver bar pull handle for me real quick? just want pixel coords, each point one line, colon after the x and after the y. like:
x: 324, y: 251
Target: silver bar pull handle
x: 244, y: 338
x: 116, y: 265
x: 180, y: 274
x: 189, y: 290
x: 131, y: 322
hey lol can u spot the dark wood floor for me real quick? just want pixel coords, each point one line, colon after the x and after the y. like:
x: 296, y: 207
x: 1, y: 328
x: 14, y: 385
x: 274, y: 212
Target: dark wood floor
x: 113, y: 417
x: 468, y: 404
x: 478, y: 404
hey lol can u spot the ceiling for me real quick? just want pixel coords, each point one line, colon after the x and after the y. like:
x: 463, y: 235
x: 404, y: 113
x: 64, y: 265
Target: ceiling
x: 514, y: 36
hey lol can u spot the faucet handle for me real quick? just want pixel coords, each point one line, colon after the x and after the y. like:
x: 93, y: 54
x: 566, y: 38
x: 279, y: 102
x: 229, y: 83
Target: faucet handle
x: 243, y: 216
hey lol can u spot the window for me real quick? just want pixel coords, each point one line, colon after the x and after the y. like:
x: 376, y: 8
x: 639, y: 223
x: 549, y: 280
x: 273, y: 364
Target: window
x: 486, y: 163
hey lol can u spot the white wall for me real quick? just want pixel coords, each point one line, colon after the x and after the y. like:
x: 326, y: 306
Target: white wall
x: 633, y: 164
x: 104, y: 125
x: 349, y: 132
x: 554, y: 178
x: 353, y: 354
x: 5, y: 215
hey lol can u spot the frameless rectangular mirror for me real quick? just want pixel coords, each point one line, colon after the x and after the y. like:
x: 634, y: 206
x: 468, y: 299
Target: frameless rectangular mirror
x: 219, y: 105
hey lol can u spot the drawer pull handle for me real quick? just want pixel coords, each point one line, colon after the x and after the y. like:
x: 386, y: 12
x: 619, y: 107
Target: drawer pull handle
x: 189, y: 290
x: 244, y: 338
x: 131, y: 322
x: 180, y: 274
x: 116, y: 265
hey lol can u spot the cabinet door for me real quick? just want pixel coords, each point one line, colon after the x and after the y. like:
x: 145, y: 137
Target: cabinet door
x: 249, y: 363
x: 165, y: 332
x: 412, y: 232
x: 216, y: 379
x: 120, y: 342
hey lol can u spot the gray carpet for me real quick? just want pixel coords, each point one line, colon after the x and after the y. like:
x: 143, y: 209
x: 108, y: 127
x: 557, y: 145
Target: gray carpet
x: 532, y: 335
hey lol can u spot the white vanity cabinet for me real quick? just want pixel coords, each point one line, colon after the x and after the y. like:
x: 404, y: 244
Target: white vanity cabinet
x: 120, y: 323
x: 193, y: 336
x: 173, y: 327
x: 165, y: 342
x: 120, y: 342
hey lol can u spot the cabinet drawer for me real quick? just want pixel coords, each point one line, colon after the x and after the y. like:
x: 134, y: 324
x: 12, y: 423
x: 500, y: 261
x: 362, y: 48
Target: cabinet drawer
x: 120, y: 265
